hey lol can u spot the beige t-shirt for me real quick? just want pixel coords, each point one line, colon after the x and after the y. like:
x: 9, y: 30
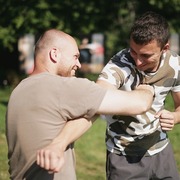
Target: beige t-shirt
x: 38, y: 109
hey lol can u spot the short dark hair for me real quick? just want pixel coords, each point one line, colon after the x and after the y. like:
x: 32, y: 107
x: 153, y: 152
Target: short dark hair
x: 150, y: 26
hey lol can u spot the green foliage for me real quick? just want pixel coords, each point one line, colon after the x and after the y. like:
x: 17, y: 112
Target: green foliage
x: 78, y: 17
x: 4, y: 96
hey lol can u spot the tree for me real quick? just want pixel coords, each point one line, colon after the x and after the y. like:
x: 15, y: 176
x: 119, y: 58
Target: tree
x: 113, y: 18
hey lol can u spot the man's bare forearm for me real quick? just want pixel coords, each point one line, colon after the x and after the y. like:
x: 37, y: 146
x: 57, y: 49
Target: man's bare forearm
x: 73, y: 130
x: 51, y: 157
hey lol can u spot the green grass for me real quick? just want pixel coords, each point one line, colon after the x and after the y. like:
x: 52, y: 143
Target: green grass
x: 90, y: 148
x: 91, y: 153
x: 4, y: 95
x: 174, y: 135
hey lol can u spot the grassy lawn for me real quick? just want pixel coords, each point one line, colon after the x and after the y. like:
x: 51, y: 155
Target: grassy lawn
x: 90, y: 149
x: 4, y: 95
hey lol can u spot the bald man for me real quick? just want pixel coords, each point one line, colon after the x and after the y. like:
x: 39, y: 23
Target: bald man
x: 41, y: 105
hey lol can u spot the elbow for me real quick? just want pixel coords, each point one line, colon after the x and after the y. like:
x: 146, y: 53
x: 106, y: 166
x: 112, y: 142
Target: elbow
x: 144, y: 110
x: 145, y: 107
x: 141, y: 109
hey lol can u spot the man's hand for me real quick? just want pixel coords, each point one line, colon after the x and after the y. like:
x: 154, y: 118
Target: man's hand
x: 51, y: 158
x: 167, y: 119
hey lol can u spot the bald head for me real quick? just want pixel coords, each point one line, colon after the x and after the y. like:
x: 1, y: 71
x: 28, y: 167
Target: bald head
x: 55, y: 51
x: 52, y: 38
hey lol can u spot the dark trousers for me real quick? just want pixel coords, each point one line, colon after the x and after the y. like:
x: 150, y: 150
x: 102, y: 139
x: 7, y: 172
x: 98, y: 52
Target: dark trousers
x: 159, y: 166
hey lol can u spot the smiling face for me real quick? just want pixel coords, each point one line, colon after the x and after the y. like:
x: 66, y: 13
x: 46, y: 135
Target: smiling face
x: 147, y: 56
x: 56, y: 52
x: 69, y: 62
x: 149, y: 38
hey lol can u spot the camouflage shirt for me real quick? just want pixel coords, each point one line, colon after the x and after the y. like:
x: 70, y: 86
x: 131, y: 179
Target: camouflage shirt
x: 141, y: 134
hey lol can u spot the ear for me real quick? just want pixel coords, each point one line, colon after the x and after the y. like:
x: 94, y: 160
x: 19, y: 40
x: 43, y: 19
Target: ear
x: 166, y: 47
x: 54, y: 55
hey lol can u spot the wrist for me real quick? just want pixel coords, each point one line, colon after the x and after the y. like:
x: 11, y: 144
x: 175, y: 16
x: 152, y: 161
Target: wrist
x: 175, y: 118
x: 60, y: 144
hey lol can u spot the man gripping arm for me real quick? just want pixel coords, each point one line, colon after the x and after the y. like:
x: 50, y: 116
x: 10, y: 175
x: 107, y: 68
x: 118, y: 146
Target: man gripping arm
x: 51, y: 157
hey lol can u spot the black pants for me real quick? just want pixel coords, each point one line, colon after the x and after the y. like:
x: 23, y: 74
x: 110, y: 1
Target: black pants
x: 159, y: 166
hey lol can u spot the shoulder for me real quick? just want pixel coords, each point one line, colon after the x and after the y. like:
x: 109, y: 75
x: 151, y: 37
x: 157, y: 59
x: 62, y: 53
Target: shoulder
x: 122, y: 58
x: 172, y: 58
x: 82, y: 84
x: 171, y: 55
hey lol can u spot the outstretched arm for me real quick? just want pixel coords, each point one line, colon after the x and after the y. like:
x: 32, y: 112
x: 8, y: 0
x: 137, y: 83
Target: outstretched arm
x: 126, y: 102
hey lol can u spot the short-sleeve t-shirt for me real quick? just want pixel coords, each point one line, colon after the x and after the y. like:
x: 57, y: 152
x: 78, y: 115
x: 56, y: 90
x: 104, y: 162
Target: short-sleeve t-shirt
x: 37, y: 111
x: 141, y: 134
